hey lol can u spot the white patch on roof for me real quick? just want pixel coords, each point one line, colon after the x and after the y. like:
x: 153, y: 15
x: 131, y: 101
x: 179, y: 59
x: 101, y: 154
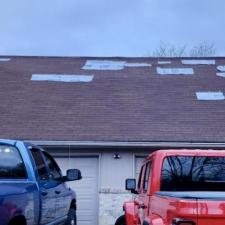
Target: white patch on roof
x: 4, y: 59
x: 221, y: 68
x: 137, y: 64
x: 103, y: 65
x: 175, y: 71
x: 210, y: 95
x: 62, y: 77
x: 164, y: 62
x: 198, y: 62
x: 221, y: 74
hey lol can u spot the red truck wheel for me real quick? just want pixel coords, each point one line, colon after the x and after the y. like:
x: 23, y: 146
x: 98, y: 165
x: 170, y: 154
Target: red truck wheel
x: 121, y: 220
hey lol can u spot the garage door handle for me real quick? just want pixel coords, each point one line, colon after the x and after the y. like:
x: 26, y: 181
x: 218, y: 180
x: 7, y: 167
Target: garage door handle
x: 44, y: 193
x: 57, y: 192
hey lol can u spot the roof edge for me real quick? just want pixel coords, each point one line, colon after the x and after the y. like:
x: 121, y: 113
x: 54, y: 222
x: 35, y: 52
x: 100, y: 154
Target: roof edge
x: 130, y: 144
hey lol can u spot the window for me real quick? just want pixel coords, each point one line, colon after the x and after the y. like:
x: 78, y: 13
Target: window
x: 40, y: 164
x: 147, y: 176
x: 139, y: 179
x: 55, y: 172
x: 193, y: 173
x: 11, y: 163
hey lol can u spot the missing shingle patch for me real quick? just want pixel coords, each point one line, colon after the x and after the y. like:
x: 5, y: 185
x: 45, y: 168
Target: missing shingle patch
x: 221, y: 74
x: 198, y: 62
x: 164, y: 62
x: 62, y: 77
x: 103, y: 65
x: 137, y: 64
x: 221, y: 68
x: 175, y: 71
x: 4, y: 59
x: 210, y: 95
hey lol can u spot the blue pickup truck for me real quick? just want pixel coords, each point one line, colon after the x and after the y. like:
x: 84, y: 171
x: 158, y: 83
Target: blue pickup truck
x: 32, y: 188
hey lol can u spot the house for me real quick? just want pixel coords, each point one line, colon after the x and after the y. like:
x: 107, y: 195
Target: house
x: 104, y: 115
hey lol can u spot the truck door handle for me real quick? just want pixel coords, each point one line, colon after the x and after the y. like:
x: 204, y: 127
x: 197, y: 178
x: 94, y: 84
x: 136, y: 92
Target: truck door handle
x: 44, y: 193
x: 142, y: 206
x: 57, y: 192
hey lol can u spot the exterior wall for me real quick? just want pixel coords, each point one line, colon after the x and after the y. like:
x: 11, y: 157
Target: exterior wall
x: 112, y: 175
x: 112, y: 192
x: 110, y: 206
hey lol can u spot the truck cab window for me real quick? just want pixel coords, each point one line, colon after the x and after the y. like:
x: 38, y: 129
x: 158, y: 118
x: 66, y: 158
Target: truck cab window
x: 139, y: 179
x: 55, y: 172
x: 40, y: 164
x: 193, y: 173
x: 146, y: 176
x: 11, y: 163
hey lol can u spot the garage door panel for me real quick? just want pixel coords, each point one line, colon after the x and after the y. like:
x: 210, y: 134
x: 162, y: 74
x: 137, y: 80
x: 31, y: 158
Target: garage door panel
x: 86, y: 189
x: 83, y: 215
x: 86, y: 182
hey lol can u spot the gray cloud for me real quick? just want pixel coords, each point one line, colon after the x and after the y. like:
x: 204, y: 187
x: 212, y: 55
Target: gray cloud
x: 106, y: 28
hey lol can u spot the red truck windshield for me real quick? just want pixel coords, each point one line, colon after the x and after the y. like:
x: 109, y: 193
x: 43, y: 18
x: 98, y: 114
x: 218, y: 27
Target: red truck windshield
x: 193, y: 173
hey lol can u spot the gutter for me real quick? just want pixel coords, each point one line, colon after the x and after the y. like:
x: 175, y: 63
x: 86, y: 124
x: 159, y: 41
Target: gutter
x: 130, y: 144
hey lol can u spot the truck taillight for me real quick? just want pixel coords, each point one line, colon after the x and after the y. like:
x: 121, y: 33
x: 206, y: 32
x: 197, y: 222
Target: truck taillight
x: 179, y: 221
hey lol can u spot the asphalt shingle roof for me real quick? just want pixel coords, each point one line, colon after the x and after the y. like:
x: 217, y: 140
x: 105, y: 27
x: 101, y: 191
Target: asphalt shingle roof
x: 132, y: 104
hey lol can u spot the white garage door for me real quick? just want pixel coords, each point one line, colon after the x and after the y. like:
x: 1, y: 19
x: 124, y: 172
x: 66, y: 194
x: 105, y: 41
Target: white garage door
x: 86, y: 189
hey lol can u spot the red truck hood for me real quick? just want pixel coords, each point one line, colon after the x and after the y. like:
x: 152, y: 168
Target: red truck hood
x: 204, y: 208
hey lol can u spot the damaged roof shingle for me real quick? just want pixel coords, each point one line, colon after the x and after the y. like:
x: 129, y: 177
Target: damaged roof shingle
x: 130, y: 104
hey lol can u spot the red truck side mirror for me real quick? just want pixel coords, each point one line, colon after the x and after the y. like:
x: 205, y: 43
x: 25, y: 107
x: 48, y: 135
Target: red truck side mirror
x: 131, y: 185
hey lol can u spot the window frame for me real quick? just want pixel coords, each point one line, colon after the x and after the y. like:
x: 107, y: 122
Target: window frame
x: 139, y: 184
x: 148, y: 166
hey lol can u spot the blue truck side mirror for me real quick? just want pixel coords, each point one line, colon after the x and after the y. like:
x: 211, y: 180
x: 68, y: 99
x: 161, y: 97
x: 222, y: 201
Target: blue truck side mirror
x: 73, y: 174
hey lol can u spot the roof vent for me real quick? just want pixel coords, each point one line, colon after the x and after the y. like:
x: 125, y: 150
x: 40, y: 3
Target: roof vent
x: 4, y: 59
x: 198, y: 62
x: 137, y: 64
x: 175, y: 71
x: 103, y: 65
x: 62, y: 77
x: 210, y: 95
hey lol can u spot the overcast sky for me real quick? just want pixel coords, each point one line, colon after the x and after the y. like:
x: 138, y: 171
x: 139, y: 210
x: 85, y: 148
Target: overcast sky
x: 108, y: 27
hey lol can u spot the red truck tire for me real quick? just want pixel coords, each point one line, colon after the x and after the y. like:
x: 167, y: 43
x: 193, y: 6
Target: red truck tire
x: 121, y: 220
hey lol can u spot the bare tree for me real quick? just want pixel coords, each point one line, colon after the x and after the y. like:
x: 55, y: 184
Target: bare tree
x: 203, y: 49
x: 169, y: 50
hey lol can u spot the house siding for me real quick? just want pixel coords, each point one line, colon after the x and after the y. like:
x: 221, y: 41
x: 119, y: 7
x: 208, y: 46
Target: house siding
x: 111, y: 177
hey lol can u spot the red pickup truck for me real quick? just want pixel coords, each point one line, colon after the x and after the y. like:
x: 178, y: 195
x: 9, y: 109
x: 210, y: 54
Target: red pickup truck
x: 178, y: 187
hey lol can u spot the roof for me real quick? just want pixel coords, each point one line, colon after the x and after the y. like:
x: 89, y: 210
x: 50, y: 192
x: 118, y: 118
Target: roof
x: 129, y: 104
x: 188, y: 152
